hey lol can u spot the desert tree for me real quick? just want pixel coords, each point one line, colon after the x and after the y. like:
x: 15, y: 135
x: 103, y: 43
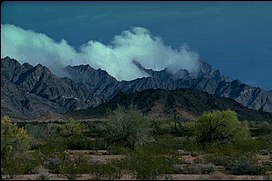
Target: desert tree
x: 220, y: 127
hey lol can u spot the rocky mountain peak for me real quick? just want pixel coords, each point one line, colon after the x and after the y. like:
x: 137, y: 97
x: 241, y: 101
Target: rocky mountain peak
x: 87, y: 74
x: 88, y: 87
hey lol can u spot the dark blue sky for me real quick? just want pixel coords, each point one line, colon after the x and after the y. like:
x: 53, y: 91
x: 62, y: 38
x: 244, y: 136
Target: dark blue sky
x: 235, y: 37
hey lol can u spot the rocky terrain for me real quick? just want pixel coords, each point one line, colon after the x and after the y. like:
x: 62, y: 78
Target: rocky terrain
x: 180, y: 104
x: 34, y: 91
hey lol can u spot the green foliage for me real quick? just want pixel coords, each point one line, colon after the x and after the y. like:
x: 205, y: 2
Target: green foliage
x: 162, y: 144
x: 53, y: 162
x: 52, y: 144
x: 149, y: 166
x: 265, y: 142
x: 161, y: 127
x: 221, y: 127
x: 72, y: 134
x: 42, y: 133
x: 74, y: 167
x: 26, y: 163
x: 108, y: 171
x: 116, y: 149
x: 245, y: 165
x: 186, y: 129
x: 15, y: 142
x: 262, y: 128
x: 226, y: 143
x: 128, y: 128
x: 189, y: 144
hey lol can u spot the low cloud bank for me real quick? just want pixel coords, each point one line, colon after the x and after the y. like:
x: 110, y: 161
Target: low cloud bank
x: 136, y: 44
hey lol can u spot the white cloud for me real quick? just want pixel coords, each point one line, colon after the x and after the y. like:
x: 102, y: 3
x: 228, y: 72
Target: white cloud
x: 116, y: 58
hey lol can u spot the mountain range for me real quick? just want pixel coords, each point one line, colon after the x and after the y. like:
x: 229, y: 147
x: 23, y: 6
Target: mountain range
x: 29, y: 92
x: 179, y: 104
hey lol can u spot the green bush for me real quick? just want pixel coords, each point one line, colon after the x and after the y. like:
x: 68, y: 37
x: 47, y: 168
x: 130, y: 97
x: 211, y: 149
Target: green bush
x: 265, y: 142
x: 187, y: 129
x: 188, y: 144
x: 74, y: 167
x: 128, y: 128
x: 14, y: 140
x: 221, y: 127
x: 116, y: 149
x: 53, y: 163
x: 26, y: 163
x: 162, y: 144
x: 108, y: 171
x: 262, y: 128
x: 15, y: 143
x: 147, y: 166
x: 72, y: 134
x: 161, y: 127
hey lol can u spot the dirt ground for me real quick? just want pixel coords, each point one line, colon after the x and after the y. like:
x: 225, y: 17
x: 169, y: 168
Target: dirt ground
x: 215, y: 176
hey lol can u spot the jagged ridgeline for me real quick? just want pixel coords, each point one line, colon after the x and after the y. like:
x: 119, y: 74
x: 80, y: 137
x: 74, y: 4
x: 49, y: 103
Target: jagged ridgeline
x: 29, y: 92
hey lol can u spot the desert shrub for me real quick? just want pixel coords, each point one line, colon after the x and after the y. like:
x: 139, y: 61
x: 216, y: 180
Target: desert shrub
x: 262, y: 128
x: 198, y: 169
x: 95, y: 128
x: 128, y: 128
x: 100, y: 144
x: 45, y: 137
x: 162, y: 144
x: 199, y: 160
x: 223, y: 154
x: 147, y: 166
x: 52, y: 146
x: 161, y: 127
x: 74, y: 167
x: 42, y: 130
x: 116, y: 149
x: 245, y: 165
x: 43, y: 176
x: 186, y: 129
x: 221, y: 127
x: 108, y: 171
x: 188, y: 144
x: 72, y: 134
x: 265, y: 142
x: 26, y: 163
x: 218, y: 159
x: 15, y: 142
x: 54, y: 161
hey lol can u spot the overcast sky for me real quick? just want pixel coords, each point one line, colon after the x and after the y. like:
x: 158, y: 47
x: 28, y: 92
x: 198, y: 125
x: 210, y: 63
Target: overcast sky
x: 233, y: 37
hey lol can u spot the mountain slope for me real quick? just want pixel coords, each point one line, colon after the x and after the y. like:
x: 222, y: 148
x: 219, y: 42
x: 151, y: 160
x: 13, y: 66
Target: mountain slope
x: 39, y: 88
x: 182, y: 104
x: 86, y: 87
x: 20, y: 104
x: 207, y: 79
x: 213, y: 82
